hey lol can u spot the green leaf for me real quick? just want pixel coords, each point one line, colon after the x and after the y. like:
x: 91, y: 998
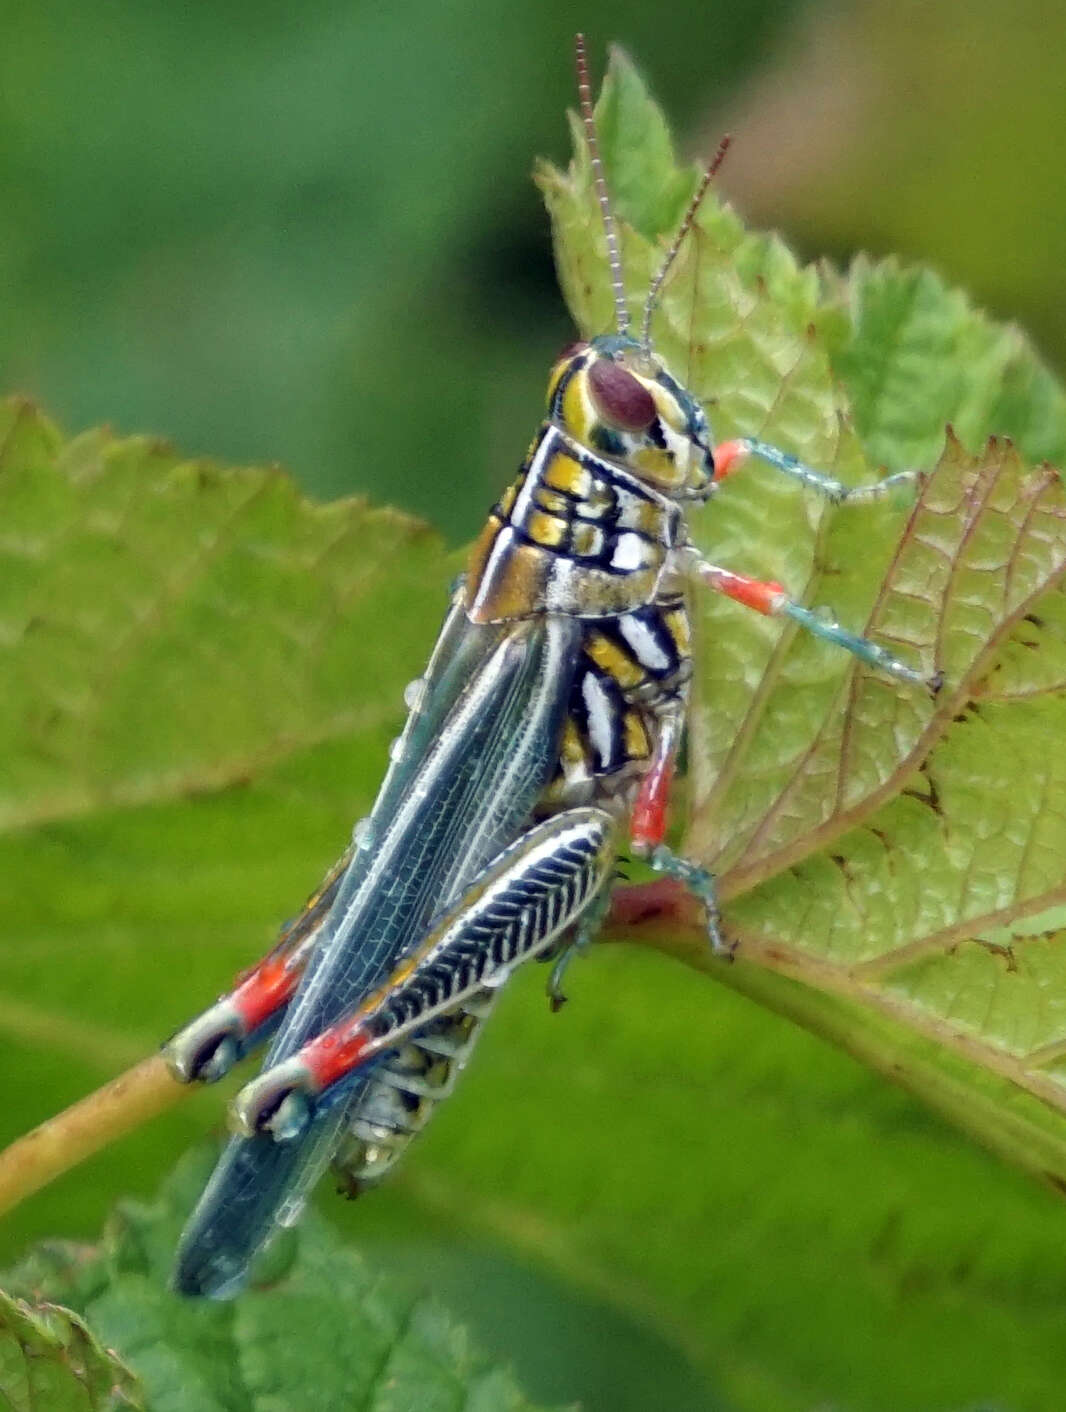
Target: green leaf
x: 326, y: 1322
x: 50, y: 1359
x: 915, y: 355
x: 134, y: 580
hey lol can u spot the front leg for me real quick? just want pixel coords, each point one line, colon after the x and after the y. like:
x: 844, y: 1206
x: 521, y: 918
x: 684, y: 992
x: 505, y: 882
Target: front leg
x: 731, y: 455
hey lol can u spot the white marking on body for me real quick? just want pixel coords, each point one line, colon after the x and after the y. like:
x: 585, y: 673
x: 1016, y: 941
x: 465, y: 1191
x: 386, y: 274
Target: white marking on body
x: 524, y: 500
x: 598, y: 705
x: 498, y: 555
x: 559, y: 586
x: 642, y: 640
x: 628, y: 552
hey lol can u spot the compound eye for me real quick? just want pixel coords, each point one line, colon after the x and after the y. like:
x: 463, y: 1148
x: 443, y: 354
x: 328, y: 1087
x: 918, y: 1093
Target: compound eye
x: 620, y: 398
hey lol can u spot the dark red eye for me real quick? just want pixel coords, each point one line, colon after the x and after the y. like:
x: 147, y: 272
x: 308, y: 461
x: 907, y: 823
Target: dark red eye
x: 620, y: 398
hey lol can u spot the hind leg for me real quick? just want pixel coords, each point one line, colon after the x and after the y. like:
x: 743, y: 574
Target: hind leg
x: 208, y: 1047
x: 514, y: 909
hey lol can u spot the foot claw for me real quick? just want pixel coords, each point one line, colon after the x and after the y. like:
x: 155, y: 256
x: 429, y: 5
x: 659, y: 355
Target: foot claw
x: 554, y: 989
x: 277, y: 1102
x: 220, y: 1062
x: 291, y: 1118
x: 206, y: 1048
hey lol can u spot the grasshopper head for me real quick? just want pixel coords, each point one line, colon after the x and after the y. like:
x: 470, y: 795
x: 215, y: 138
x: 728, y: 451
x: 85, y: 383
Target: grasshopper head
x: 618, y: 399
x: 613, y: 394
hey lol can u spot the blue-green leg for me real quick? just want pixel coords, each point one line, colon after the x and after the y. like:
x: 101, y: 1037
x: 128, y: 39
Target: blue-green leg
x: 732, y: 454
x: 701, y: 883
x: 576, y: 944
x: 772, y: 600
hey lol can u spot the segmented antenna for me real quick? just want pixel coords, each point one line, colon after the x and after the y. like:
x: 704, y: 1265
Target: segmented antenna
x: 614, y: 254
x: 682, y: 230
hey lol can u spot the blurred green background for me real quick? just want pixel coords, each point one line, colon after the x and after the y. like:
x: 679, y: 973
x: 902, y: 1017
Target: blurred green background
x: 308, y: 235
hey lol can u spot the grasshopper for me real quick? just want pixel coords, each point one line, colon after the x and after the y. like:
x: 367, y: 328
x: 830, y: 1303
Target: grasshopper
x: 542, y: 738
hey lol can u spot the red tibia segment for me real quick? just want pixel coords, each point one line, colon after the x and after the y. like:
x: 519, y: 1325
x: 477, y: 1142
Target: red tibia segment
x: 261, y: 991
x: 647, y: 827
x: 764, y: 596
x: 264, y: 991
x: 729, y: 457
x: 336, y: 1052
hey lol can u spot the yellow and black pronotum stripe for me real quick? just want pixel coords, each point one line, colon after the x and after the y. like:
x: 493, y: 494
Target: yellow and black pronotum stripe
x: 573, y: 535
x: 578, y: 535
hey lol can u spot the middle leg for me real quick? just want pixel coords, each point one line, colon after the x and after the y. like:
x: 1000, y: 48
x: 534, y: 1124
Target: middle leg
x: 770, y: 599
x: 648, y: 822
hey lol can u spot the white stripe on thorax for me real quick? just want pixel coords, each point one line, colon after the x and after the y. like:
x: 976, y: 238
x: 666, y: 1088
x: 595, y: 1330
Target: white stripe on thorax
x: 645, y: 646
x: 600, y: 716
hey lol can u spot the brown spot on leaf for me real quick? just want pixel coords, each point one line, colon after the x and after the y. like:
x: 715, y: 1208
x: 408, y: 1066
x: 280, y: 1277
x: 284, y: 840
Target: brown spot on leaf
x: 967, y: 714
x: 1005, y: 954
x: 930, y: 797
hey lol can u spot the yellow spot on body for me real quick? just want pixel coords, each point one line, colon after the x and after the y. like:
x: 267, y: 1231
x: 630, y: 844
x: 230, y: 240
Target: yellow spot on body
x: 677, y: 625
x: 553, y: 502
x: 666, y: 404
x: 545, y: 529
x: 610, y: 658
x: 514, y: 588
x: 571, y: 750
x: 635, y: 735
x: 507, y: 499
x: 564, y: 473
x: 577, y: 416
x: 588, y: 539
x: 657, y: 466
x: 371, y: 1003
x: 647, y: 517
x: 556, y: 378
x: 479, y: 553
x: 404, y: 971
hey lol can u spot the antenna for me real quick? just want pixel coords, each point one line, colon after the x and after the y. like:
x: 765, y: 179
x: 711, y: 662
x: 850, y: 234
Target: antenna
x: 614, y: 256
x: 682, y: 230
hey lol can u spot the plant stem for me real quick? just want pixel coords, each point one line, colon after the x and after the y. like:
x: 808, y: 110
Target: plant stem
x: 60, y: 1143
